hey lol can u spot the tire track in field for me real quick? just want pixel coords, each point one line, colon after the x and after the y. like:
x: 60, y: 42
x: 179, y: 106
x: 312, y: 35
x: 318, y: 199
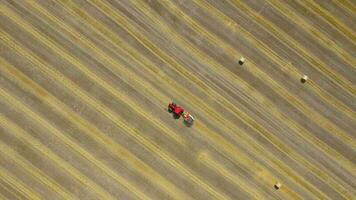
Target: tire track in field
x: 213, y: 140
x: 2, y: 196
x: 282, y: 94
x: 313, y: 87
x: 85, y: 70
x: 324, y: 148
x: 27, y: 28
x: 87, y: 155
x: 4, y: 187
x: 319, y: 11
x: 17, y: 184
x: 270, y: 53
x: 120, y: 122
x: 26, y: 165
x: 307, y: 111
x: 294, y: 46
x: 81, y: 151
x: 160, y: 98
x: 314, y: 168
x: 322, y: 39
x: 322, y: 121
x: 82, y: 13
x: 235, y: 52
x: 103, y: 56
x: 114, y: 148
x: 347, y: 6
x: 71, y: 170
x: 238, y: 180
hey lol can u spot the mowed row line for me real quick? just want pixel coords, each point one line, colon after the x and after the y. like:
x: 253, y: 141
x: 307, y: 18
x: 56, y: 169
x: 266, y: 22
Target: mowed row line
x: 28, y: 28
x: 8, y: 190
x: 71, y: 59
x: 231, y: 24
x: 14, y: 182
x: 155, y: 21
x: 314, y: 32
x: 339, y: 105
x: 29, y: 85
x: 294, y: 46
x: 208, y: 160
x: 2, y: 196
x: 313, y: 7
x: 82, y: 38
x: 145, y: 88
x: 217, y: 119
x: 118, y: 120
x: 307, y: 110
x: 105, y: 12
x: 76, y: 147
x: 200, y: 32
x: 78, y: 9
x: 347, y: 6
x: 114, y: 148
x: 314, y: 88
x: 26, y: 138
x: 263, y: 101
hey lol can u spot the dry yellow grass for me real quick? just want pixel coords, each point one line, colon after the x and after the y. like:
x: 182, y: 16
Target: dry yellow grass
x: 84, y: 87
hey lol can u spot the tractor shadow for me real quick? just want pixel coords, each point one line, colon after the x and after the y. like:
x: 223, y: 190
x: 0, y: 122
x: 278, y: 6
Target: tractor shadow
x: 187, y: 124
x: 174, y: 116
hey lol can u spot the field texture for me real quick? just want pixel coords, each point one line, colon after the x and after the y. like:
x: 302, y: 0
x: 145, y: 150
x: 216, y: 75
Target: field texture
x: 85, y: 84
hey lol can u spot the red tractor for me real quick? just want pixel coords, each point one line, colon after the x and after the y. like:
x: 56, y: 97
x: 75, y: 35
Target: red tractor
x: 179, y: 111
x: 176, y: 110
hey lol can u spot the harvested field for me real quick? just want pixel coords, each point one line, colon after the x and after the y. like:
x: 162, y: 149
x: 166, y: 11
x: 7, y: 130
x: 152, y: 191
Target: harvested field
x: 85, y: 84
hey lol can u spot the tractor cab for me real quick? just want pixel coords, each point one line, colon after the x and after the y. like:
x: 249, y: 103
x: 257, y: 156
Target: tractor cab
x: 176, y: 110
